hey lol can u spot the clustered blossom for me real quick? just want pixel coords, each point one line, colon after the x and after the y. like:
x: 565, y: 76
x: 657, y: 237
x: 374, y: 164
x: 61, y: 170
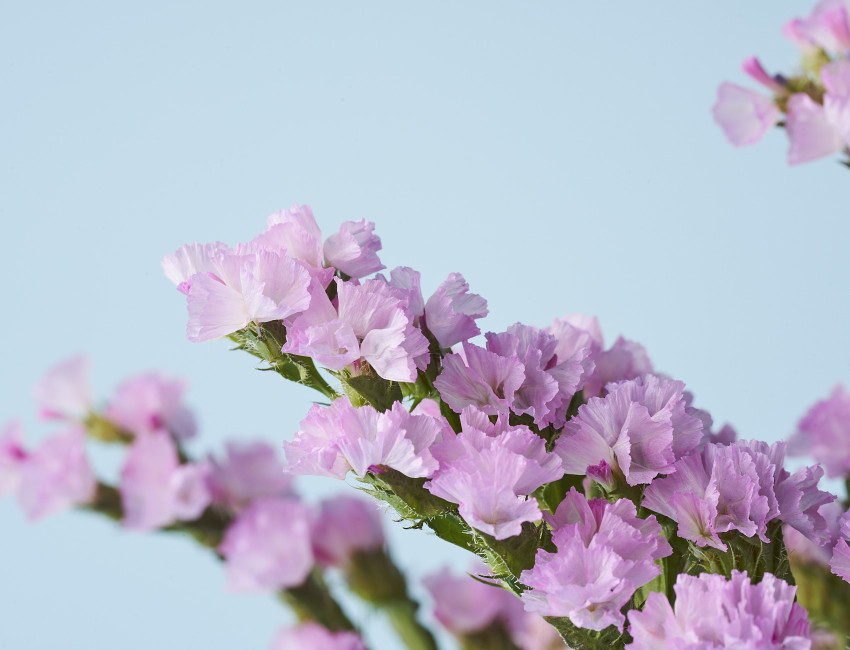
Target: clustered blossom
x: 344, y: 527
x: 340, y: 438
x: 816, y: 102
x: 268, y: 546
x: 152, y: 402
x: 743, y: 487
x: 605, y: 552
x: 313, y: 635
x: 156, y: 489
x: 489, y: 470
x: 465, y: 606
x: 249, y: 471
x: 712, y: 612
x: 641, y: 427
x: 824, y: 433
x: 64, y: 393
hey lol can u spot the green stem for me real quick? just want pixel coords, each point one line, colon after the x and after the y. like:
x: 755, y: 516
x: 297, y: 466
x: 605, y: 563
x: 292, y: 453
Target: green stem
x: 313, y: 601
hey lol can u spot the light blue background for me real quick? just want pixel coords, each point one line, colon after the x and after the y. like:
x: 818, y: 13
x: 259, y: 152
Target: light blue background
x: 561, y: 155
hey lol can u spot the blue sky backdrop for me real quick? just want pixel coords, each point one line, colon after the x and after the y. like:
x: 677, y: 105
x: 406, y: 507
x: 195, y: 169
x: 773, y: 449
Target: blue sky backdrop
x: 561, y: 155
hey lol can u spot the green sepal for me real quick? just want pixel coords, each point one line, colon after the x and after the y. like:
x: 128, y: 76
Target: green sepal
x: 380, y: 393
x: 581, y: 639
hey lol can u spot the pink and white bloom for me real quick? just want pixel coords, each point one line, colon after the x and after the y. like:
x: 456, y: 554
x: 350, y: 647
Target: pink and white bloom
x: 480, y: 378
x: 489, y: 473
x: 711, y: 612
x: 744, y: 115
x: 260, y: 287
x: 12, y: 456
x: 371, y: 322
x: 622, y: 433
x: 312, y: 636
x: 354, y: 249
x: 839, y: 564
x: 464, y: 605
x: 824, y: 433
x: 605, y: 553
x: 56, y: 476
x: 451, y: 311
x: 345, y: 527
x: 64, y: 393
x: 249, y: 471
x: 190, y: 260
x: 827, y: 27
x: 295, y: 233
x: 340, y: 438
x: 753, y: 67
x: 156, y: 489
x: 626, y: 359
x: 152, y: 402
x: 268, y: 546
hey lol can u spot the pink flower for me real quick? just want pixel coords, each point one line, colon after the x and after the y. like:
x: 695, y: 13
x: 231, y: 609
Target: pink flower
x: 155, y: 489
x: 827, y: 27
x: 464, y: 605
x: 605, y: 553
x: 312, y: 636
x: 810, y: 132
x: 479, y: 378
x: 57, y: 475
x: 190, y: 260
x: 625, y: 359
x: 259, y: 287
x: 354, y: 249
x: 622, y: 433
x: 268, y: 546
x: 64, y: 392
x: 12, y: 456
x: 824, y: 433
x: 333, y: 440
x: 712, y: 612
x: 152, y: 402
x: 451, y: 311
x: 753, y: 67
x: 295, y: 233
x: 491, y: 476
x: 372, y: 322
x: 743, y: 114
x: 249, y: 471
x: 346, y: 526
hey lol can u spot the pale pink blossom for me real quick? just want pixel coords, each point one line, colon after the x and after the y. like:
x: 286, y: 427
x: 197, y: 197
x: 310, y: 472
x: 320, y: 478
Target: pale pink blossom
x: 156, y: 489
x: 152, y: 402
x: 743, y: 114
x: 57, y: 475
x: 268, y: 546
x: 64, y: 392
x: 344, y: 527
x: 12, y: 456
x: 354, y: 249
x: 249, y: 471
x: 312, y: 636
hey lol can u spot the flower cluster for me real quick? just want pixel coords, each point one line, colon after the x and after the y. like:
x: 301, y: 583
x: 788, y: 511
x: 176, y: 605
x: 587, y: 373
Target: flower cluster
x: 815, y: 101
x: 573, y: 470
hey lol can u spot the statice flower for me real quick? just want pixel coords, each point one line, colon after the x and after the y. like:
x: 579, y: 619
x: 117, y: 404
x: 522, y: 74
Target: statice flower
x: 464, y: 605
x: 818, y: 550
x: 744, y: 115
x: 12, y: 456
x: 480, y: 378
x: 451, y: 311
x: 626, y: 359
x: 249, y: 288
x: 605, y: 553
x: 249, y: 471
x: 344, y: 527
x: 312, y: 636
x: 817, y: 129
x: 156, y: 489
x: 190, y: 260
x: 64, y: 392
x: 372, y: 322
x: 56, y: 476
x: 840, y: 561
x: 337, y: 439
x: 489, y: 473
x: 152, y: 402
x: 827, y: 27
x: 550, y: 380
x: 295, y: 233
x: 268, y: 546
x: 354, y: 249
x: 623, y: 432
x: 712, y: 612
x: 737, y: 487
x: 824, y: 433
